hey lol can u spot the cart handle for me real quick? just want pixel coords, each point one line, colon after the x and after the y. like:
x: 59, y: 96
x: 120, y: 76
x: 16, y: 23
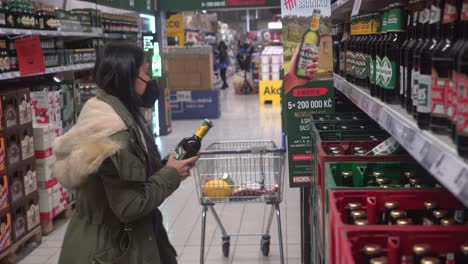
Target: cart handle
x: 252, y: 150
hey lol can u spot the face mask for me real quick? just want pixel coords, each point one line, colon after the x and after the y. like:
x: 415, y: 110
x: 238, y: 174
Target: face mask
x: 151, y: 94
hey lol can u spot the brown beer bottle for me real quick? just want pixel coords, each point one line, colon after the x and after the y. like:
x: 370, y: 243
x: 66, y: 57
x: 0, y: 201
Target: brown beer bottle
x: 390, y: 65
x: 425, y: 42
x: 409, y: 53
x: 350, y: 208
x: 430, y: 260
x: 371, y: 251
x: 344, y: 47
x: 428, y: 217
x: 424, y: 106
x: 442, y: 68
x: 389, y: 207
x: 462, y: 256
x: 382, y: 49
x: 374, y: 52
x: 421, y: 251
x: 379, y: 260
x: 410, y: 29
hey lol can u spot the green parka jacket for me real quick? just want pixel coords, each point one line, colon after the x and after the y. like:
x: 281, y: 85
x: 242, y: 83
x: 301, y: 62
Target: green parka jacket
x: 103, y: 157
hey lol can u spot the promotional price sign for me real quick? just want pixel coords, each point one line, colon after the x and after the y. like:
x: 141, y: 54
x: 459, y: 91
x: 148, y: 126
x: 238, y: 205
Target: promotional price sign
x: 308, y: 79
x: 30, y: 58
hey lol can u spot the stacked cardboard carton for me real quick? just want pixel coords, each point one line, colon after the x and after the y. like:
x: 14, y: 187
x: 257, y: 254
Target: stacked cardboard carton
x: 189, y: 68
x: 19, y: 196
x: 53, y: 113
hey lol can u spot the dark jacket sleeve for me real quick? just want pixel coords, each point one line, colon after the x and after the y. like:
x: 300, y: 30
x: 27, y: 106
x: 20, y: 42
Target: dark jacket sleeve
x: 132, y: 199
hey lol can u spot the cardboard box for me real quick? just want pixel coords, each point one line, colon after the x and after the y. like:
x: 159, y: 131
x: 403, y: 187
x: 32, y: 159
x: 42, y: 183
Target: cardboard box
x: 24, y: 107
x: 19, y: 222
x: 42, y: 141
x: 45, y: 172
x: 13, y: 151
x: 27, y: 143
x: 40, y: 105
x: 47, y: 206
x: 2, y: 154
x: 4, y: 193
x: 29, y: 178
x: 16, y: 188
x: 32, y: 211
x: 5, y: 231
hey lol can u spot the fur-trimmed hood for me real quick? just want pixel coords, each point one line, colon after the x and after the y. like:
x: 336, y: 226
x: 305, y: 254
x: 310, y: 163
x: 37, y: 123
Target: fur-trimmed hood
x: 81, y: 151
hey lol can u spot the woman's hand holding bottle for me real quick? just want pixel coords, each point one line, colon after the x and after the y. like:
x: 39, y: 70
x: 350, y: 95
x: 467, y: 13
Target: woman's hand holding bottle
x: 183, y: 167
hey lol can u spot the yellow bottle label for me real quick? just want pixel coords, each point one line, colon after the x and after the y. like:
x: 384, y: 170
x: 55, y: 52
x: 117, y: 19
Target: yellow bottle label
x: 201, y: 131
x: 315, y: 23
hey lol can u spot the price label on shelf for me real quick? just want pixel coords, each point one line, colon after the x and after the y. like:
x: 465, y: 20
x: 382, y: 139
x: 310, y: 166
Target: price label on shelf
x: 451, y: 174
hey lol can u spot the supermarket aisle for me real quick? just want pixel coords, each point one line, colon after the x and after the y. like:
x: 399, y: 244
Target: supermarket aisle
x: 242, y: 118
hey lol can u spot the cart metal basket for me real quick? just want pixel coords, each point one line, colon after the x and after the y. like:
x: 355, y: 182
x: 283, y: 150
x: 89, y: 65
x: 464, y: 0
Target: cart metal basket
x: 241, y: 172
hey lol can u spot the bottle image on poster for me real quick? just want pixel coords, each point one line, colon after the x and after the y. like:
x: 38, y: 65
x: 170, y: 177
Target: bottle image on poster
x: 309, y: 46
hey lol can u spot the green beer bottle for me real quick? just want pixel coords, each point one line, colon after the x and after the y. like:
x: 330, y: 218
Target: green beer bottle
x: 309, y: 45
x: 190, y: 146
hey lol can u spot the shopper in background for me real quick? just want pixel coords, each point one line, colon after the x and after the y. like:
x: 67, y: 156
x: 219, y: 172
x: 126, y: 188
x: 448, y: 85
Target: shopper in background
x: 110, y: 158
x: 223, y: 58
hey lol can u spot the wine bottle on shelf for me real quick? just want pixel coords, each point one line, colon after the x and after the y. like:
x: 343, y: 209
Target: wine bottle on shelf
x: 190, y: 146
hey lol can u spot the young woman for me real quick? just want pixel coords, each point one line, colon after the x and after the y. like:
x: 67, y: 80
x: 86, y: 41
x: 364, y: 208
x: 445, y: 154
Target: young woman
x: 110, y: 158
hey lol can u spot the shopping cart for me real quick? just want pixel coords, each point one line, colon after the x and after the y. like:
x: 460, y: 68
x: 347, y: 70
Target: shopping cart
x: 241, y: 172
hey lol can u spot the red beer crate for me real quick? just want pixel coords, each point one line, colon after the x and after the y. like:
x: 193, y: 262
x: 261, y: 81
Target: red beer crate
x: 373, y: 203
x: 398, y: 243
x: 322, y: 156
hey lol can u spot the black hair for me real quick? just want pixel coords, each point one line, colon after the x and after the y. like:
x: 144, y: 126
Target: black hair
x: 115, y: 72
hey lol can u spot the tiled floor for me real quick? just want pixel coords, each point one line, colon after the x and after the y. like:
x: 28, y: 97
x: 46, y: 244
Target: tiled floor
x: 242, y: 118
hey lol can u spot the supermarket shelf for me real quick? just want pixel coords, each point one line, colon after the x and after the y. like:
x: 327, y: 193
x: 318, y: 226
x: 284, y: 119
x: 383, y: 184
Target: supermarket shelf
x: 58, y: 33
x: 78, y: 67
x: 434, y: 152
x: 341, y: 9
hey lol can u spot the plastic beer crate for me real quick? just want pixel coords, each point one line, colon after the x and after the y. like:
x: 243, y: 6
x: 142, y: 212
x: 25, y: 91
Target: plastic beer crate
x: 351, y: 135
x: 345, y: 126
x: 373, y: 203
x: 398, y: 243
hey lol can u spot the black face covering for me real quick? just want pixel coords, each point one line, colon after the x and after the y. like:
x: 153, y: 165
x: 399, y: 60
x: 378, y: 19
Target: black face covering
x: 151, y: 93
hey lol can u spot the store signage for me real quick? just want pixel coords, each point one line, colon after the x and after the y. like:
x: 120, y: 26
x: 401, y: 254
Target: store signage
x: 270, y: 91
x: 171, y: 5
x: 308, y: 80
x: 30, y: 58
x: 141, y: 6
x: 175, y: 27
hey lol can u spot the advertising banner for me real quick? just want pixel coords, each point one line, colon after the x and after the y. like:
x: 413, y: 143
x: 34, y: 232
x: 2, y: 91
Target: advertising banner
x: 171, y: 5
x: 308, y: 79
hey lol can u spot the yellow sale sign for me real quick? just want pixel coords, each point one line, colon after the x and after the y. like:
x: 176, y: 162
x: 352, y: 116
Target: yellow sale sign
x: 270, y: 92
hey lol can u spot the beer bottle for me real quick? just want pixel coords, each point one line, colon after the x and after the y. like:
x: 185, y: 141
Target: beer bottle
x: 395, y: 215
x: 371, y: 251
x: 361, y: 55
x: 372, y: 181
x: 407, y: 176
x: 358, y: 214
x: 379, y: 260
x: 350, y: 208
x: 462, y: 256
x: 428, y: 217
x: 368, y: 49
x: 430, y: 260
x: 343, y: 48
x: 461, y: 37
x: 424, y: 104
x: 361, y: 222
x: 441, y: 68
x: 337, y: 36
x: 374, y: 52
x: 447, y: 222
x: 439, y: 215
x: 190, y: 146
x: 462, y: 86
x: 382, y: 52
x: 347, y: 179
x: 404, y: 222
x: 385, y: 216
x: 383, y: 181
x: 409, y: 39
x: 406, y: 259
x: 390, y: 65
x: 409, y: 54
x: 309, y: 46
x: 421, y: 251
x: 422, y: 45
x: 336, y: 152
x: 350, y: 52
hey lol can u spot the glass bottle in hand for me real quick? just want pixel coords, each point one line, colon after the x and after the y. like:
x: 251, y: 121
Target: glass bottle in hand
x: 190, y: 146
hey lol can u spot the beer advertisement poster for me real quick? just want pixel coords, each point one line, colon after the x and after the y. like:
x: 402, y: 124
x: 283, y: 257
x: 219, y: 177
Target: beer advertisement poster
x: 308, y: 79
